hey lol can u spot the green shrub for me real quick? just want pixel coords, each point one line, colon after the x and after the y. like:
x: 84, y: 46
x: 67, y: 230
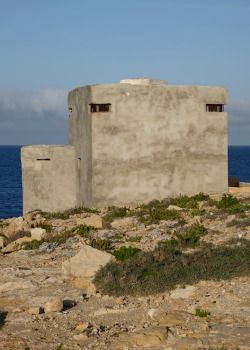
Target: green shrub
x: 154, y: 215
x: 59, y: 347
x: 88, y: 210
x: 115, y: 212
x: 201, y: 197
x: 66, y: 214
x: 155, y: 211
x: 164, y: 268
x: 184, y: 201
x: 227, y: 201
x: 134, y: 239
x: 125, y: 253
x: 231, y: 204
x: 149, y: 274
x: 198, y: 212
x: 55, y: 215
x: 35, y: 244
x: 79, y: 210
x: 81, y: 230
x: 46, y: 226
x: 237, y: 208
x: 60, y: 239
x: 3, y: 224
x: 89, y: 331
x: 84, y: 230
x: 192, y: 236
x: 201, y: 313
x: 153, y: 204
x: 101, y: 244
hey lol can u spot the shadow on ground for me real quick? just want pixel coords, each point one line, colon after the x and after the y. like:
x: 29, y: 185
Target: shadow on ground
x: 3, y: 315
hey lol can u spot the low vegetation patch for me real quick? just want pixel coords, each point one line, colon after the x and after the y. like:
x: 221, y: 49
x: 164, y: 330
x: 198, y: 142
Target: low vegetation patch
x: 55, y: 215
x: 201, y: 313
x: 115, y: 213
x: 35, y: 244
x: 187, y: 202
x: 46, y: 226
x: 58, y: 347
x: 198, y: 212
x: 239, y: 223
x: 134, y: 239
x: 84, y: 230
x: 125, y: 253
x: 155, y: 211
x: 154, y: 215
x: 81, y: 230
x: 88, y: 210
x: 3, y: 224
x: 66, y: 214
x: 101, y: 244
x: 190, y: 238
x: 231, y: 205
x: 166, y: 267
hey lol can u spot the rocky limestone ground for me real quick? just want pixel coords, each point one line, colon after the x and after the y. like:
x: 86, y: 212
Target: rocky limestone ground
x: 47, y: 297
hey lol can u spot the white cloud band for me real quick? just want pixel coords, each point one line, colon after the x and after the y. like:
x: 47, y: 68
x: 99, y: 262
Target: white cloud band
x: 17, y: 104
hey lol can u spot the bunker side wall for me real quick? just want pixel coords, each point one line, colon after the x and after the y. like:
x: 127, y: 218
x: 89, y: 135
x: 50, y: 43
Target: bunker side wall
x: 48, y: 178
x: 80, y: 136
x: 156, y: 142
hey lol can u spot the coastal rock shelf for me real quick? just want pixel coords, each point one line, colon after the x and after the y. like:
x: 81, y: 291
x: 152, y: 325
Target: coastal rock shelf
x: 43, y: 305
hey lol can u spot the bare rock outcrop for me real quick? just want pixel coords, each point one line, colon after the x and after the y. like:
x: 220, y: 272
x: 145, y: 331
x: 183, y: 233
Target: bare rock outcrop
x: 86, y: 262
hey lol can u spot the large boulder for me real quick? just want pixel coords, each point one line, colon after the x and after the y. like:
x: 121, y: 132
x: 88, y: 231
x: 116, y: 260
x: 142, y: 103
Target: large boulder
x: 38, y: 233
x: 86, y: 286
x: 2, y: 241
x: 54, y: 304
x: 16, y: 245
x: 123, y: 223
x: 172, y: 318
x: 86, y: 262
x: 17, y: 224
x: 153, y: 338
x: 92, y: 220
x: 182, y: 293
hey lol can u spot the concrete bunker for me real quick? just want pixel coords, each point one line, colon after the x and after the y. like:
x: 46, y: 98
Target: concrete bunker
x: 129, y: 143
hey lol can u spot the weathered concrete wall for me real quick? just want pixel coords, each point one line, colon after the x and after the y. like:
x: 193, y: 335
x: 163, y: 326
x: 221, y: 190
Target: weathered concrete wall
x: 48, y: 175
x: 157, y: 141
x: 80, y: 129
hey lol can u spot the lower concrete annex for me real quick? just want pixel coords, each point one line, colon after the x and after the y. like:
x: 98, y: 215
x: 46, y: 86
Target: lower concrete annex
x: 130, y: 143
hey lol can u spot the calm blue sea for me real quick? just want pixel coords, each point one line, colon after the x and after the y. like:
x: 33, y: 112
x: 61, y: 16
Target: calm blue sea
x: 11, y: 177
x: 10, y: 182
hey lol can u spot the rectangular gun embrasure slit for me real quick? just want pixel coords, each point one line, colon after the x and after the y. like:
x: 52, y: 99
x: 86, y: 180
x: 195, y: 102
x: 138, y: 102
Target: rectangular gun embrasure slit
x: 100, y: 107
x: 44, y: 159
x: 214, y: 107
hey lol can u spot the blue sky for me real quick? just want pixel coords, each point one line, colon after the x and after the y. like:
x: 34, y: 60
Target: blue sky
x: 49, y: 47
